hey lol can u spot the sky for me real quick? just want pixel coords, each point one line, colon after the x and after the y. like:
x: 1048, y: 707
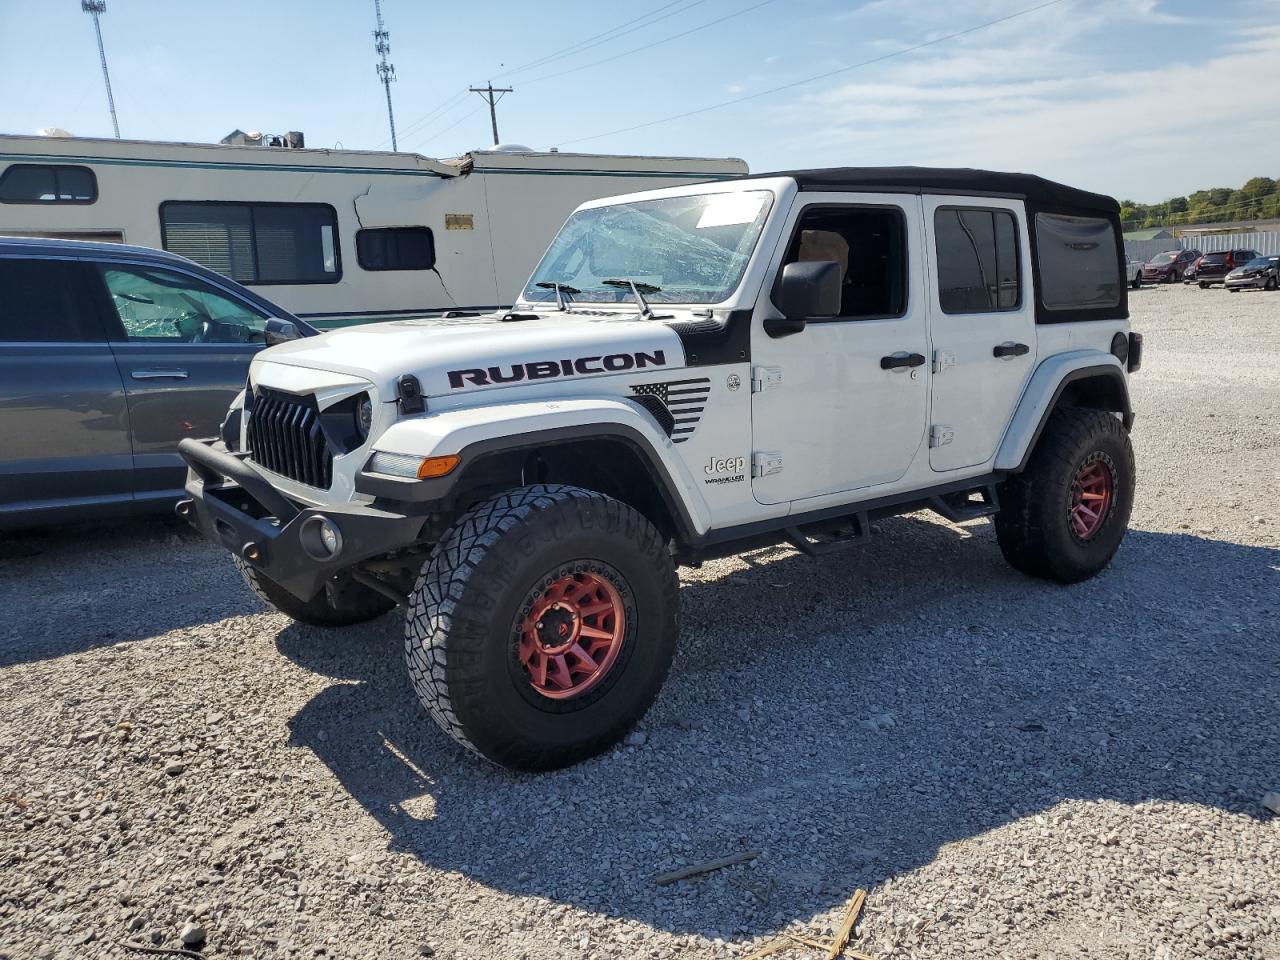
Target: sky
x: 1140, y: 99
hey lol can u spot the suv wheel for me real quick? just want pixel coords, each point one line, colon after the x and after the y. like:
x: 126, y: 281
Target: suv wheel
x: 351, y: 604
x: 1064, y: 516
x: 543, y: 626
x: 1203, y: 285
x: 1174, y: 276
x: 1270, y: 284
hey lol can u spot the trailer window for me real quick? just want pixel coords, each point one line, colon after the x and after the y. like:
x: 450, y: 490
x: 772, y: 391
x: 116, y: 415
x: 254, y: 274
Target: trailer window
x: 39, y: 183
x: 1079, y: 262
x: 396, y: 248
x: 285, y: 243
x: 978, y: 270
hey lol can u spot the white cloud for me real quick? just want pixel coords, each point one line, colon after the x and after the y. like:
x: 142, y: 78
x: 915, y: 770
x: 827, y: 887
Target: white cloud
x: 1045, y: 103
x: 735, y: 88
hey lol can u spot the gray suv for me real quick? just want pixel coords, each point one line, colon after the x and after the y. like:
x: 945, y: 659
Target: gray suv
x: 109, y: 356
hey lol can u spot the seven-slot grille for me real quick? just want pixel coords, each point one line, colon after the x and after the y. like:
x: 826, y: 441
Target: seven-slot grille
x: 285, y: 436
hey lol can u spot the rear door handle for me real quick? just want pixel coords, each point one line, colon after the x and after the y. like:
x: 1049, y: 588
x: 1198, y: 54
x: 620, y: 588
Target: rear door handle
x: 1010, y: 349
x: 160, y: 373
x: 899, y: 361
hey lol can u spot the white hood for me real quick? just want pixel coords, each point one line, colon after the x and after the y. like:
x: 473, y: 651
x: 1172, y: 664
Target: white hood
x: 451, y: 356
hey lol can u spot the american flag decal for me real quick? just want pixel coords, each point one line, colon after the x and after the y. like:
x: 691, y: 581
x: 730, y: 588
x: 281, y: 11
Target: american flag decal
x: 681, y: 400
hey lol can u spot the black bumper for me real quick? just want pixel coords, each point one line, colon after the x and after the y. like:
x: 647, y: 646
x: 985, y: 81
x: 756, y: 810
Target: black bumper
x: 232, y: 504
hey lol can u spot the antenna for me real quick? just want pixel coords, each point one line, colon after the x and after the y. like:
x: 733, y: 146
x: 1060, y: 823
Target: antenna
x: 97, y: 8
x: 386, y: 71
x: 487, y: 94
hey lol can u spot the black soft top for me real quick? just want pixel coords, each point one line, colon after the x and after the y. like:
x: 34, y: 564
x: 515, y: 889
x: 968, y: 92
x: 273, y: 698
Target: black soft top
x: 1041, y: 193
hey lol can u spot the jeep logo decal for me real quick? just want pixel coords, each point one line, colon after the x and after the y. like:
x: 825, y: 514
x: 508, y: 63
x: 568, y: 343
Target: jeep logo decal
x: 546, y: 369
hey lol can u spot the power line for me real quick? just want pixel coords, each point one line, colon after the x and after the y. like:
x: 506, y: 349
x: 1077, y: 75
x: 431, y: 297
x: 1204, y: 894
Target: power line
x: 444, y: 130
x: 606, y: 36
x: 821, y: 76
x: 655, y: 43
x: 449, y: 105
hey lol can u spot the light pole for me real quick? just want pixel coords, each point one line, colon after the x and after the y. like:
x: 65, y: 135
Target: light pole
x: 97, y: 8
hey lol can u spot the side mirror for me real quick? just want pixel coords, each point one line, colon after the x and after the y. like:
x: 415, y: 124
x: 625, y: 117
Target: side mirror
x: 809, y: 290
x: 279, y: 331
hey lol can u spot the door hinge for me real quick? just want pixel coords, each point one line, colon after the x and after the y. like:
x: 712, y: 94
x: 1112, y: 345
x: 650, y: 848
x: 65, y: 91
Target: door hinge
x: 940, y: 436
x: 765, y: 378
x: 766, y: 463
x: 943, y: 359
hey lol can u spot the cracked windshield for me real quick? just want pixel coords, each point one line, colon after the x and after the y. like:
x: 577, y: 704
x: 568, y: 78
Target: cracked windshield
x: 676, y: 249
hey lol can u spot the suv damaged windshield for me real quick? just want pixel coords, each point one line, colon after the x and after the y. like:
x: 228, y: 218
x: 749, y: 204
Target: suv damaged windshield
x: 684, y: 249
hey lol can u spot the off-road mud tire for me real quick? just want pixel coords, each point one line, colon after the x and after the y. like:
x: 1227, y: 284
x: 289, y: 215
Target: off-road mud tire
x: 359, y: 604
x: 1033, y: 526
x: 461, y: 626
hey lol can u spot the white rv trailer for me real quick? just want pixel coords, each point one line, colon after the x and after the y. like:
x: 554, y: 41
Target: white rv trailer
x: 335, y: 236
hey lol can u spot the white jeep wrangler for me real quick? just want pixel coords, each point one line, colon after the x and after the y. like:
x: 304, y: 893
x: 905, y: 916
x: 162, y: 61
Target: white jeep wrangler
x: 690, y: 372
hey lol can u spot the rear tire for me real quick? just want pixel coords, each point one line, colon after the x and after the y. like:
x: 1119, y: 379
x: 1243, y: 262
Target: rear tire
x: 359, y: 604
x: 474, y: 631
x: 1082, y: 464
x: 1136, y: 282
x: 1203, y: 285
x: 1174, y: 277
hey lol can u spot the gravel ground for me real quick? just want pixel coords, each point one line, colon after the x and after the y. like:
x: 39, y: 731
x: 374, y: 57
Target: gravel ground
x: 1010, y: 768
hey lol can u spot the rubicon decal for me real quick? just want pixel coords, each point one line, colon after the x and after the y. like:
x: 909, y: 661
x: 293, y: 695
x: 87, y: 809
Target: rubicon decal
x: 549, y: 369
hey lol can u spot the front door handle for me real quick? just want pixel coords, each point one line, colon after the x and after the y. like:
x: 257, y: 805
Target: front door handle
x: 160, y: 373
x: 899, y: 361
x: 1010, y: 349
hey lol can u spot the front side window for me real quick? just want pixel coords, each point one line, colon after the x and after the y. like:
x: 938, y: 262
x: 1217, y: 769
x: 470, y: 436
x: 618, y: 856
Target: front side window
x: 285, y: 243
x: 48, y: 183
x: 1079, y: 262
x: 978, y: 263
x: 163, y: 306
x: 685, y: 249
x: 39, y: 303
x: 870, y: 244
x: 396, y: 248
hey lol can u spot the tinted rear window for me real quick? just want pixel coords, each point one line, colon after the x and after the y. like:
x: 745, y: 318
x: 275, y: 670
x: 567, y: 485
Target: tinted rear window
x: 39, y: 303
x: 1079, y: 262
x: 1214, y: 258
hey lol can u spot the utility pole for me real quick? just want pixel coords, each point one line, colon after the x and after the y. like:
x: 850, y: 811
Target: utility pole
x: 487, y: 93
x: 386, y: 71
x: 97, y: 8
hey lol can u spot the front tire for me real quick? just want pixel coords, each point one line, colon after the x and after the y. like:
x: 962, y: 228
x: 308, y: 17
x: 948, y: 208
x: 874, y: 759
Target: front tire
x: 543, y: 625
x: 356, y: 604
x: 1064, y: 516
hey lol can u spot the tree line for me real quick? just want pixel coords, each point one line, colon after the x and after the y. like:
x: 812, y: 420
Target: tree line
x: 1259, y: 199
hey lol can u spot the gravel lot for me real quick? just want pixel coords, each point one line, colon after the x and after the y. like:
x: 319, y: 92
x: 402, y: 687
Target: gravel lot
x: 1011, y: 769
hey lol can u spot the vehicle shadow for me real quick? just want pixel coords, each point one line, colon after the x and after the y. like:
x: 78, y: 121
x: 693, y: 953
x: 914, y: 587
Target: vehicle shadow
x: 70, y: 584
x: 847, y: 717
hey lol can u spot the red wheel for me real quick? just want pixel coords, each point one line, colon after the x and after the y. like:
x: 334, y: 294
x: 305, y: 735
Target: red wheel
x: 1091, y: 495
x: 570, y: 639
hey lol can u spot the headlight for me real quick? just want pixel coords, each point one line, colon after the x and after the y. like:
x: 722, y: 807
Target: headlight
x: 364, y: 416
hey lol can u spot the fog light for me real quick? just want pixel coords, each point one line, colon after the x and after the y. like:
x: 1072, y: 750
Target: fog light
x: 321, y: 538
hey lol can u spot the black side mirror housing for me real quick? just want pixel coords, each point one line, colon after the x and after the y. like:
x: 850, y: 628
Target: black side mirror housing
x: 809, y: 290
x: 279, y: 331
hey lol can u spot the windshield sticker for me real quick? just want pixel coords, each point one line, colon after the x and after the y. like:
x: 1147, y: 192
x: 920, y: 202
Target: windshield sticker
x: 730, y: 209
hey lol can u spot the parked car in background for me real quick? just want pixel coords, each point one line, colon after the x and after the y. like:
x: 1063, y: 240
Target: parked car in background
x: 1168, y: 267
x: 1190, y: 275
x: 1214, y: 267
x: 1133, y: 269
x: 1261, y: 273
x: 110, y: 355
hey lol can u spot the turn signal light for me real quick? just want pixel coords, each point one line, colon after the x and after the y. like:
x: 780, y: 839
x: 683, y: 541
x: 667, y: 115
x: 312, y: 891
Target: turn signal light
x: 437, y: 466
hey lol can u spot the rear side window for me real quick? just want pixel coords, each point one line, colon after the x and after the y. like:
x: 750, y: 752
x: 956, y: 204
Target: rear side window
x: 978, y: 268
x: 40, y: 303
x: 47, y: 183
x: 1079, y: 262
x: 396, y: 248
x: 293, y: 243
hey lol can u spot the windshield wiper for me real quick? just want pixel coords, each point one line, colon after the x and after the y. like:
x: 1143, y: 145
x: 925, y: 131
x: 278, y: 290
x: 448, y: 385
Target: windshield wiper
x: 639, y: 288
x: 561, y: 290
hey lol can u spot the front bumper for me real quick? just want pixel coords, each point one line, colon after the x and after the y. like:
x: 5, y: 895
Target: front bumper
x: 1245, y: 283
x: 232, y: 504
